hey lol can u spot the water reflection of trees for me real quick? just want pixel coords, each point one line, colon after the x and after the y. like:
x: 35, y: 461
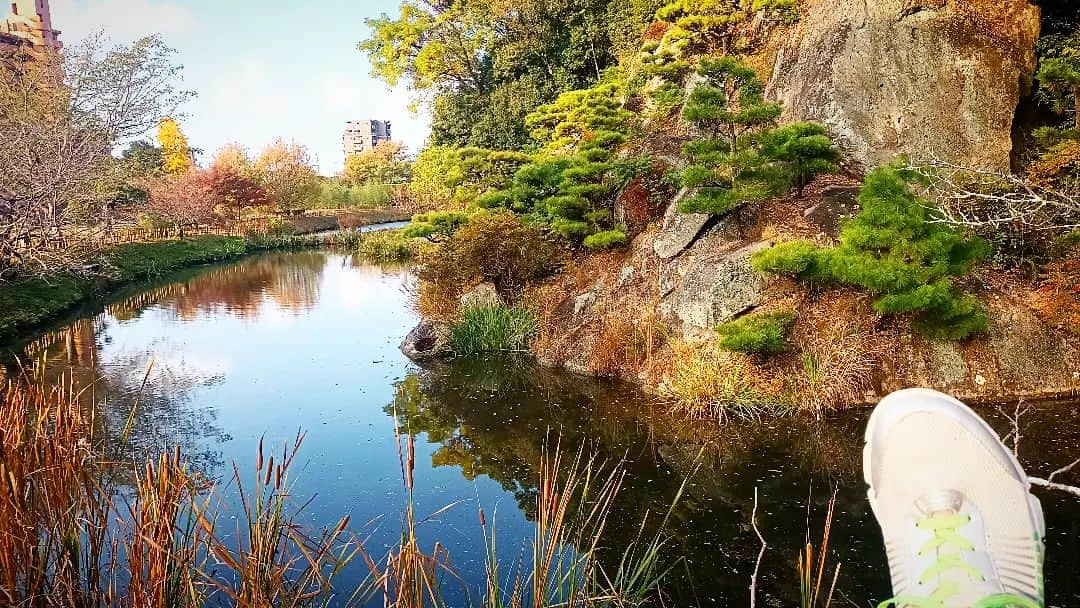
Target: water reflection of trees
x: 491, y: 417
x: 166, y: 416
x: 290, y: 280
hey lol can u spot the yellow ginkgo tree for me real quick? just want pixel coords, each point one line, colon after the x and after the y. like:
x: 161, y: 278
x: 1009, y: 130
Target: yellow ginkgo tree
x: 174, y: 147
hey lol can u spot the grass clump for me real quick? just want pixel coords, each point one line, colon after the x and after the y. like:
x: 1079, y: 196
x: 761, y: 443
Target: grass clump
x: 609, y: 239
x: 386, y: 246
x: 758, y: 334
x: 492, y: 328
x: 892, y: 250
x: 704, y: 382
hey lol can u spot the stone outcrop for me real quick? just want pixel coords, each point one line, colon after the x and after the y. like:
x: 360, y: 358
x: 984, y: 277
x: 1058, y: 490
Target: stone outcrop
x: 838, y: 203
x: 713, y: 288
x: 679, y: 229
x: 916, y: 77
x: 484, y: 295
x: 429, y: 340
x: 1019, y: 358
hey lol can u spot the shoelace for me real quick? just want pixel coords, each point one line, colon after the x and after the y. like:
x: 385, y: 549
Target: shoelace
x: 945, y: 527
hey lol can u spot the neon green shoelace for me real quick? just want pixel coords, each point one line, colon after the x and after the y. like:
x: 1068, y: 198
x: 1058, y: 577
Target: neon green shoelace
x: 945, y: 526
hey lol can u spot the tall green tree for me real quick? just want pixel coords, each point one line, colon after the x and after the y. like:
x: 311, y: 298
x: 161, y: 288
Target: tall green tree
x: 487, y: 64
x: 726, y: 165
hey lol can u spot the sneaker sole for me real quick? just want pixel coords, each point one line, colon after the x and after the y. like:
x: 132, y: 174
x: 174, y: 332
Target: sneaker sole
x: 910, y: 401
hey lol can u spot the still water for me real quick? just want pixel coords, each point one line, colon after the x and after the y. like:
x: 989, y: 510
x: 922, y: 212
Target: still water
x: 281, y: 343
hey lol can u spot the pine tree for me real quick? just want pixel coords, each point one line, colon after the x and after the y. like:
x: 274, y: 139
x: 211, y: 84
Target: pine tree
x: 803, y: 149
x: 174, y: 147
x: 893, y: 251
x: 727, y: 168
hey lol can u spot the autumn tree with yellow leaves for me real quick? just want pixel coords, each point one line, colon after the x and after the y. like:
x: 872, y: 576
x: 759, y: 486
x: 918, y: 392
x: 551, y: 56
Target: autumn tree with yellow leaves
x: 174, y: 147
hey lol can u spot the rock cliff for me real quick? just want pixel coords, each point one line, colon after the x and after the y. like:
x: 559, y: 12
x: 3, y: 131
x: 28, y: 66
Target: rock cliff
x: 916, y: 77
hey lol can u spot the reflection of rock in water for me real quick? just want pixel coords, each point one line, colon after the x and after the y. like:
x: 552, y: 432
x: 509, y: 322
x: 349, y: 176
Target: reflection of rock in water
x: 490, y: 417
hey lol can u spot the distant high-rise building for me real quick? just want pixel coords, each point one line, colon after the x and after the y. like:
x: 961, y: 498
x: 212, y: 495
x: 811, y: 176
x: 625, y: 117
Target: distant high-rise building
x: 364, y: 135
x: 29, y: 23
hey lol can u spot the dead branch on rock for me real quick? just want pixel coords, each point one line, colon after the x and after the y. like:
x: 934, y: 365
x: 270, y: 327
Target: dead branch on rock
x: 985, y: 201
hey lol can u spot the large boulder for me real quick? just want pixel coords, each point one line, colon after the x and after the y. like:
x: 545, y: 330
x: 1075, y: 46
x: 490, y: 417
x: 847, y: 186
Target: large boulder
x: 714, y: 288
x: 918, y: 77
x: 429, y: 340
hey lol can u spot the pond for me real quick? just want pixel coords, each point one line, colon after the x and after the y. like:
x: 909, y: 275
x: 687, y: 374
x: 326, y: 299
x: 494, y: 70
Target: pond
x: 281, y: 343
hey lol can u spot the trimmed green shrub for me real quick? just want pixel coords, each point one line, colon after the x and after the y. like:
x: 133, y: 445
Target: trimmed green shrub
x: 803, y: 149
x: 608, y: 239
x: 891, y: 250
x: 490, y: 329
x: 757, y: 334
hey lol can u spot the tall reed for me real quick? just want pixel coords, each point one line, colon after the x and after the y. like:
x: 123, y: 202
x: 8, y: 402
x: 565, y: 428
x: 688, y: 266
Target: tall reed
x: 811, y: 567
x: 54, y: 512
x: 79, y: 530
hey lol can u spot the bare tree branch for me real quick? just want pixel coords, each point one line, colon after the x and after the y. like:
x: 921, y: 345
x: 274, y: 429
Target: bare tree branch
x: 1016, y: 434
x: 987, y: 201
x: 761, y: 553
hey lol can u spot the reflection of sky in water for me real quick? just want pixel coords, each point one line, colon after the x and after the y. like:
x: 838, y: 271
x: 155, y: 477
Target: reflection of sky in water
x: 284, y: 342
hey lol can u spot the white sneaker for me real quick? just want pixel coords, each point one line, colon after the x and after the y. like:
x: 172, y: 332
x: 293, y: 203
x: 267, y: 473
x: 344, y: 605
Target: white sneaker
x: 961, y: 527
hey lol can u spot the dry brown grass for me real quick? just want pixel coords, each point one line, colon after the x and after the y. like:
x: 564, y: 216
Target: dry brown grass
x: 841, y: 352
x: 700, y: 382
x: 436, y: 301
x: 53, y: 511
x: 162, y: 568
x: 627, y: 342
x: 1057, y: 300
x: 64, y: 542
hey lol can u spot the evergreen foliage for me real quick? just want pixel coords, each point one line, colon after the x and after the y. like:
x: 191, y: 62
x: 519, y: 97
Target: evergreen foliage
x: 435, y: 223
x: 741, y: 157
x: 891, y: 250
x: 726, y: 166
x: 1059, y: 73
x: 802, y: 150
x: 757, y: 334
x: 608, y: 239
x: 569, y: 186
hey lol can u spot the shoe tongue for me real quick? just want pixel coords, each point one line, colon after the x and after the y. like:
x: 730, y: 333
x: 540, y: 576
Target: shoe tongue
x: 944, y: 502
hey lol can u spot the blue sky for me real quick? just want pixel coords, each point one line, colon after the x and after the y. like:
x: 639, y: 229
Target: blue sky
x: 263, y: 68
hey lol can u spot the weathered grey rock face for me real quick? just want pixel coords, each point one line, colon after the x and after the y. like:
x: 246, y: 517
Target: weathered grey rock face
x: 679, y: 229
x: 916, y: 77
x: 429, y: 340
x: 715, y: 288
